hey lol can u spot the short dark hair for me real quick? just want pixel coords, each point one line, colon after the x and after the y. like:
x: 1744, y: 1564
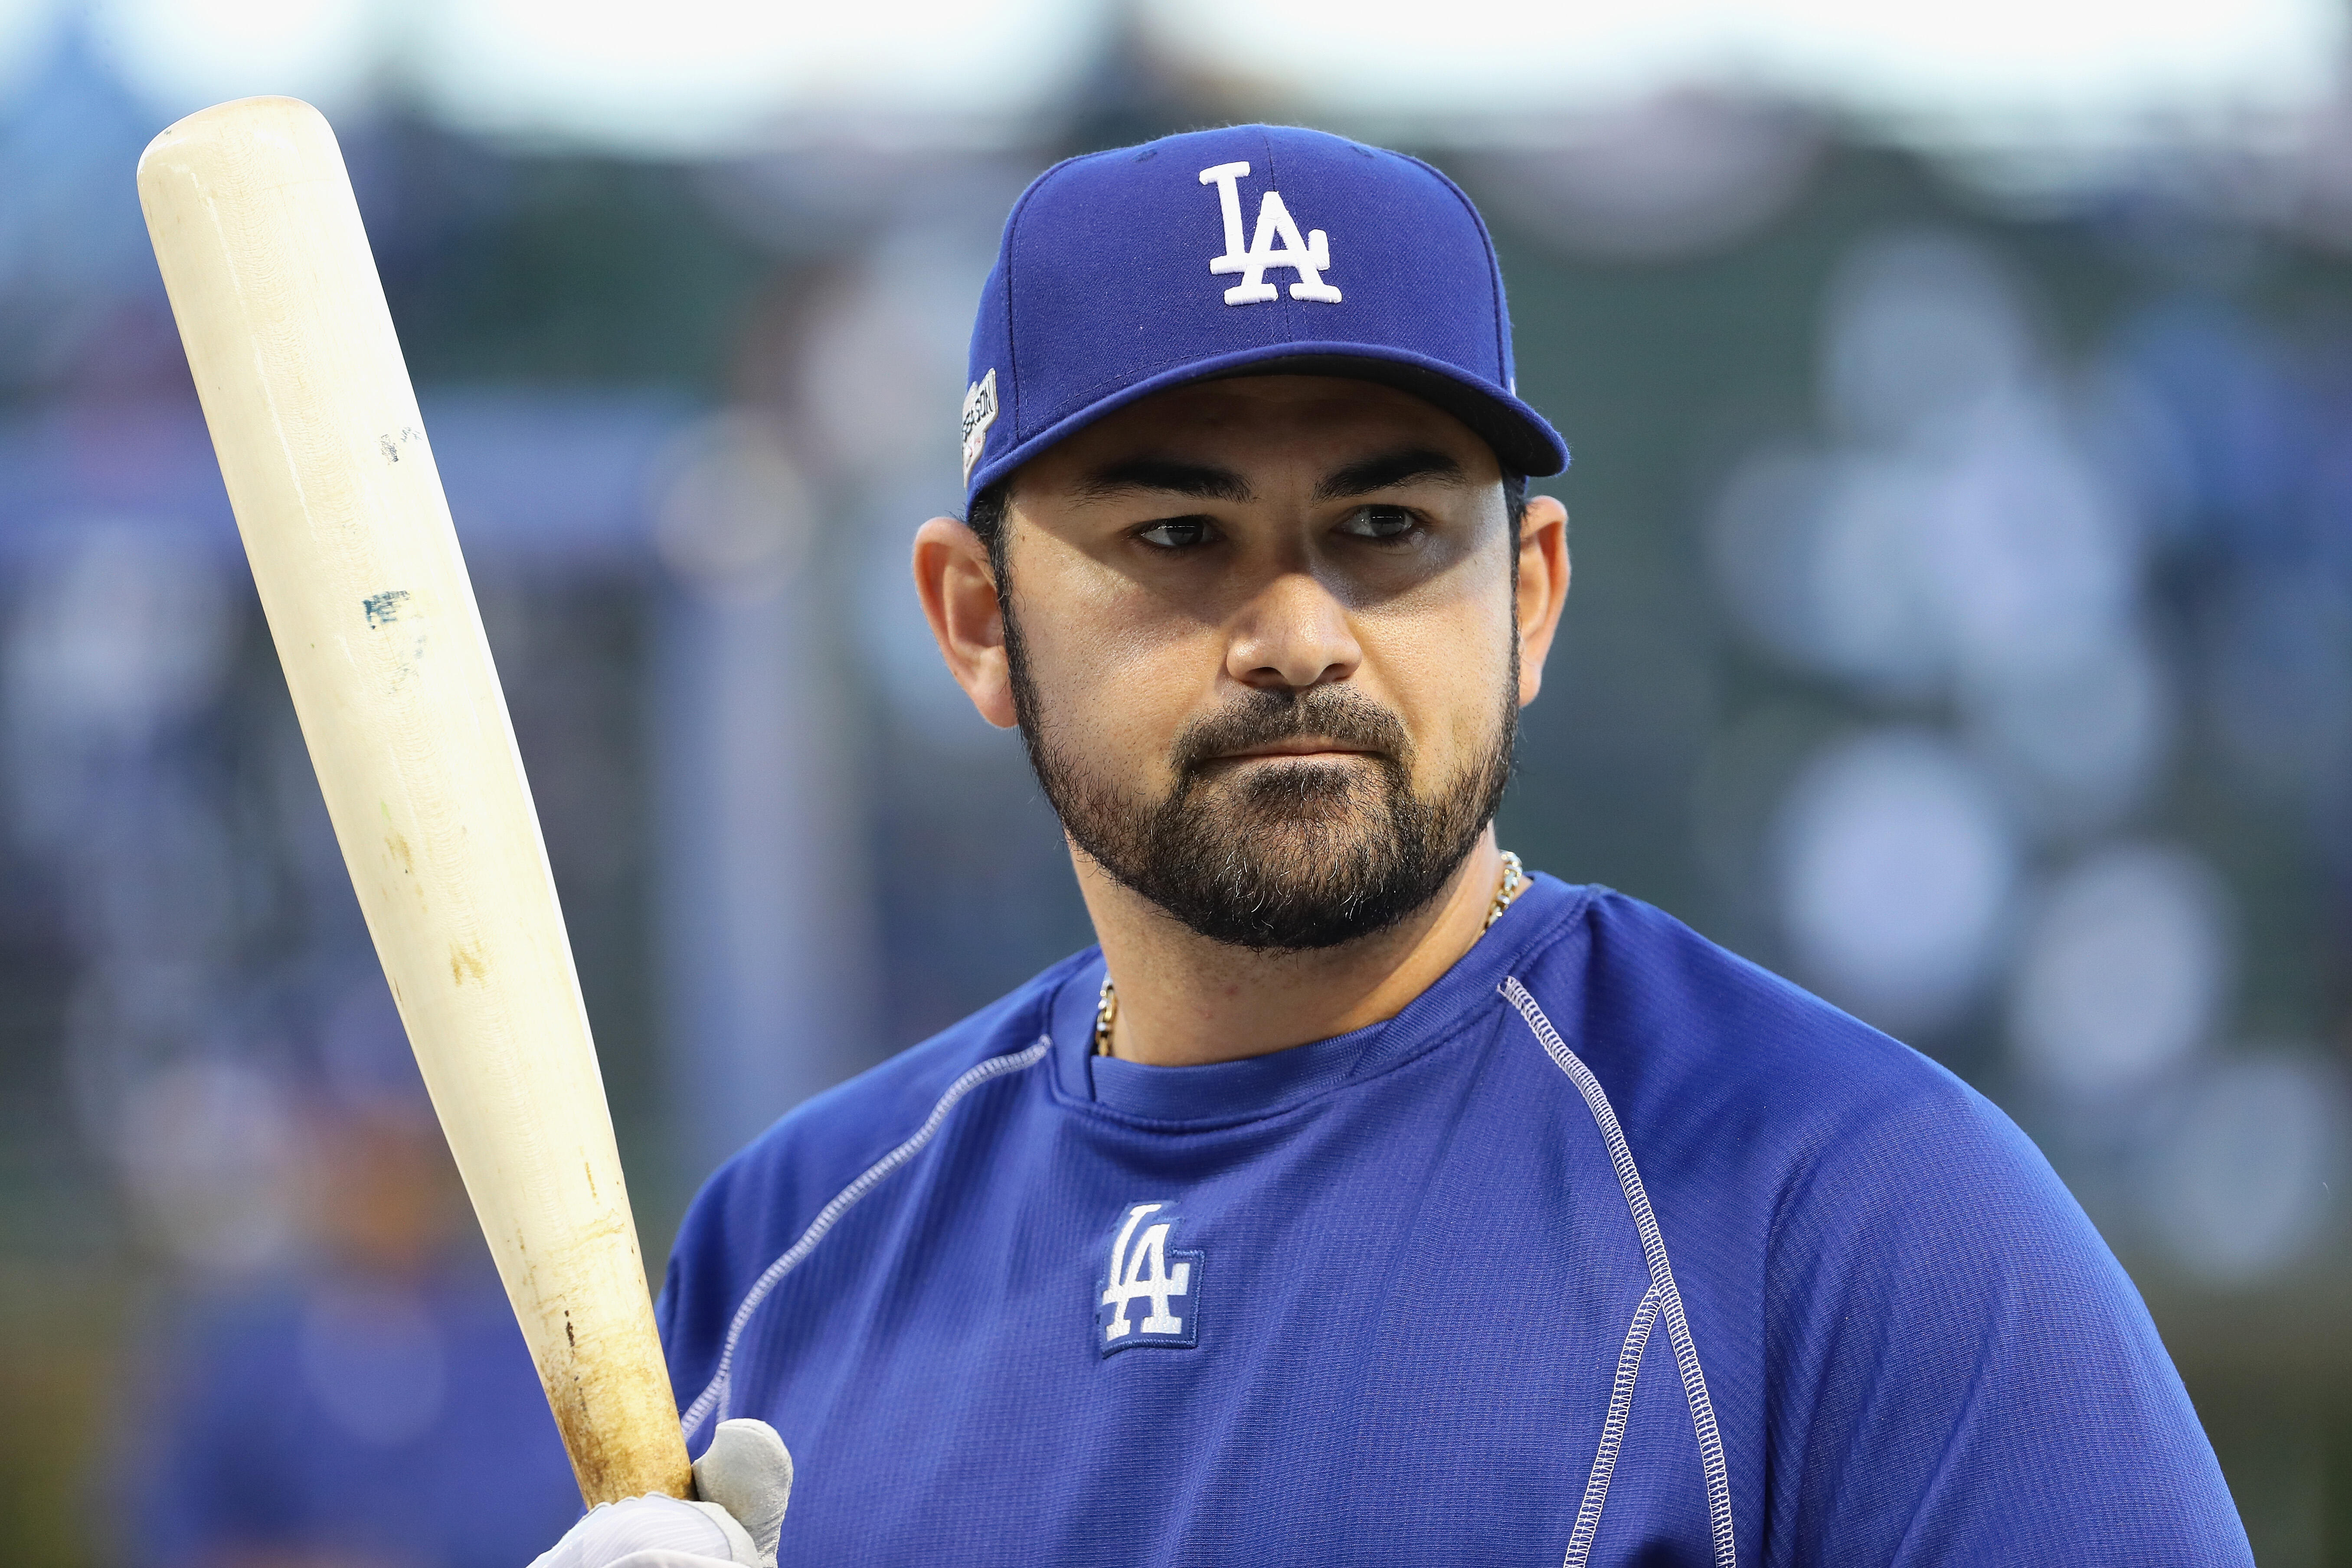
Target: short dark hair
x: 987, y: 513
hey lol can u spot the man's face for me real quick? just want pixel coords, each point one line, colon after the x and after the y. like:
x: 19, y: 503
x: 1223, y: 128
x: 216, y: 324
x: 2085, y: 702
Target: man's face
x: 1263, y: 651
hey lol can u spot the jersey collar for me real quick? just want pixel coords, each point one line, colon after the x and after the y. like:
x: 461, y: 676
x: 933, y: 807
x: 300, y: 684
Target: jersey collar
x: 1224, y: 1093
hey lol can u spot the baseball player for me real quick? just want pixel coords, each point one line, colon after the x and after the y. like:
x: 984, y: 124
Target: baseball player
x: 1362, y: 1198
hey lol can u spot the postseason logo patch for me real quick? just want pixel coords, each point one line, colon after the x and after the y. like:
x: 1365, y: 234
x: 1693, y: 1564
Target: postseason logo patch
x: 1149, y: 1294
x: 979, y: 414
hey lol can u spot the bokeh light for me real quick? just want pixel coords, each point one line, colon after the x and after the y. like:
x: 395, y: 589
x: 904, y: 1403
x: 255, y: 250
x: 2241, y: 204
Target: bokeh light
x: 2124, y: 970
x: 2243, y: 1162
x: 1897, y: 868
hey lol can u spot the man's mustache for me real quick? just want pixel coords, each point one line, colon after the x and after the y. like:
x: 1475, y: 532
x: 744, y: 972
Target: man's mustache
x: 1338, y: 713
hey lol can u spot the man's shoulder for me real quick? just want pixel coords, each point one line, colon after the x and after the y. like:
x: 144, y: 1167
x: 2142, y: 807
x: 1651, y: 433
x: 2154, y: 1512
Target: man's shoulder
x: 1720, y: 1070
x: 1640, y: 984
x: 849, y: 1125
x: 1806, y: 1164
x: 824, y: 1145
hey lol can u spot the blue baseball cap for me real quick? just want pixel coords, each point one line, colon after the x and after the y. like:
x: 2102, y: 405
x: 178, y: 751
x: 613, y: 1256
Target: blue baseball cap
x: 1256, y: 249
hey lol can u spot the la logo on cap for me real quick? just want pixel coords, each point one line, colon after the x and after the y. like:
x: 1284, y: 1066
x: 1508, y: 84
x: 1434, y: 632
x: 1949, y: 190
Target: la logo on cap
x: 1308, y: 256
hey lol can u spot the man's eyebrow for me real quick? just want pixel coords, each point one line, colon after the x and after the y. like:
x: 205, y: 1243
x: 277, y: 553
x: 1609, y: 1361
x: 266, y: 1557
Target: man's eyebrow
x: 1202, y: 481
x: 1388, y: 469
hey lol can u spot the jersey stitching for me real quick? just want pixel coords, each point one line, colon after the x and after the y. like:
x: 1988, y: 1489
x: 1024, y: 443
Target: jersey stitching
x: 1662, y: 1273
x: 715, y: 1393
x: 1613, y: 1431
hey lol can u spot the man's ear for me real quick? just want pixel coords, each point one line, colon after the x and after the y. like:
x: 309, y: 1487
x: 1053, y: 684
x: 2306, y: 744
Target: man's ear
x: 957, y: 588
x: 1543, y: 587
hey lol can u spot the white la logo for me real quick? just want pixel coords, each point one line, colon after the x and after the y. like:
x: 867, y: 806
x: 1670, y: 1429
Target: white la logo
x: 1140, y: 1271
x: 1308, y: 256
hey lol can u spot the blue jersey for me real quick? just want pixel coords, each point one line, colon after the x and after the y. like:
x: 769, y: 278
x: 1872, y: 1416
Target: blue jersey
x: 1610, y: 1249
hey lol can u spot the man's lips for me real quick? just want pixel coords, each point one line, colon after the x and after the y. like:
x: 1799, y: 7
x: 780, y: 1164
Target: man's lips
x: 1296, y: 746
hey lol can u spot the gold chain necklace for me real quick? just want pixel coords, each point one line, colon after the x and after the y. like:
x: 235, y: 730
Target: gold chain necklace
x: 1508, y: 886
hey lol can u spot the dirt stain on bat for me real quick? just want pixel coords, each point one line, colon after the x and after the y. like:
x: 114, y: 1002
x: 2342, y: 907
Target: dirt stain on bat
x: 467, y: 963
x: 569, y: 1337
x: 400, y: 852
x: 590, y: 1171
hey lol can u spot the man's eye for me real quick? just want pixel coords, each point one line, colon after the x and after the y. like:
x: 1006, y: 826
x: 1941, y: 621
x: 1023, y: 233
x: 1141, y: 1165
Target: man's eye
x: 1177, y: 532
x: 1379, y: 522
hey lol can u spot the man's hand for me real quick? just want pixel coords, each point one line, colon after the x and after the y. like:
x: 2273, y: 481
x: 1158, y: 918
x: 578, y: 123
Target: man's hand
x: 745, y: 1480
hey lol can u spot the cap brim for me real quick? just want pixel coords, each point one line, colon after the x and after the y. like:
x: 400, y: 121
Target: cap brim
x: 1523, y: 441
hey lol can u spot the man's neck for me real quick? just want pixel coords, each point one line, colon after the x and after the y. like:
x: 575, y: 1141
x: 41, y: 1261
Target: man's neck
x: 1184, y: 1000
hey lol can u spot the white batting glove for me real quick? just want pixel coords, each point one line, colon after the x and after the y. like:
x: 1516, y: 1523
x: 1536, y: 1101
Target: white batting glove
x: 745, y: 1480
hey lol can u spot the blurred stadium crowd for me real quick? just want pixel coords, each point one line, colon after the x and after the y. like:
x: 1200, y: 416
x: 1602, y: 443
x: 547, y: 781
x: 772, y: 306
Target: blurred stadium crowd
x: 1962, y: 624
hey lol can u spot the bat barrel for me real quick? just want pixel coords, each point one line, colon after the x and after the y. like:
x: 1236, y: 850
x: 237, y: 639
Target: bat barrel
x: 341, y: 510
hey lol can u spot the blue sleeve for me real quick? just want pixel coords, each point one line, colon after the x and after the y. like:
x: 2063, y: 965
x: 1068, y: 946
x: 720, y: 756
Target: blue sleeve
x: 1964, y: 1374
x: 695, y: 1290
x: 756, y: 1204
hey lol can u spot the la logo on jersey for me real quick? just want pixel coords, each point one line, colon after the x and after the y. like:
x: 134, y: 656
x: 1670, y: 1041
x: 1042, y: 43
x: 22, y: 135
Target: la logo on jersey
x: 1149, y: 1295
x: 1309, y: 256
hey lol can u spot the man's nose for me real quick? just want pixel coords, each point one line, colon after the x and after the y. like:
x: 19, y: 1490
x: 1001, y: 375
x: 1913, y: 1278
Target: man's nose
x: 1293, y: 634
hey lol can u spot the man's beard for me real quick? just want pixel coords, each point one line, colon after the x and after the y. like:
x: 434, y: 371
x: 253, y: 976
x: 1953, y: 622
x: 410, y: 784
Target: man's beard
x: 1278, y: 855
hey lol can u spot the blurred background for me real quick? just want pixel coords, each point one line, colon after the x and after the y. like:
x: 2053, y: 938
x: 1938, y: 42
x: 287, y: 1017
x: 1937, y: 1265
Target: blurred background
x: 1962, y: 400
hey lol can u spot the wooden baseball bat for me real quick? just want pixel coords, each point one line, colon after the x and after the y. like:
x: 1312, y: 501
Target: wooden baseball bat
x: 341, y: 507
